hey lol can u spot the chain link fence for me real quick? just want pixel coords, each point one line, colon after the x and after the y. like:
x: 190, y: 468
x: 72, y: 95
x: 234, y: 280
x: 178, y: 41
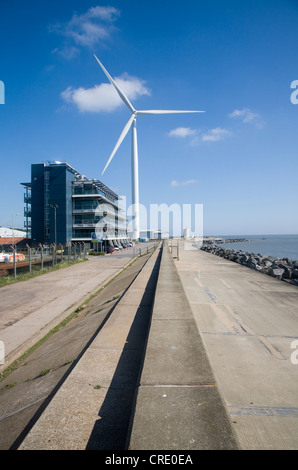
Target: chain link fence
x: 46, y: 256
x: 40, y: 257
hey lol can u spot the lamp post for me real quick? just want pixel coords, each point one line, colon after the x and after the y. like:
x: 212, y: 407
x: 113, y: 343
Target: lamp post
x: 55, y: 207
x: 12, y: 231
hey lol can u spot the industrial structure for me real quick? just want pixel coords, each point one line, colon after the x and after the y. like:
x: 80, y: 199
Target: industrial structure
x: 131, y: 123
x: 62, y: 206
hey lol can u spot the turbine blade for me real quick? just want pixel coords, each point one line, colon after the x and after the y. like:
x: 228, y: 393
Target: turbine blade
x: 123, y: 134
x: 163, y: 111
x: 119, y: 91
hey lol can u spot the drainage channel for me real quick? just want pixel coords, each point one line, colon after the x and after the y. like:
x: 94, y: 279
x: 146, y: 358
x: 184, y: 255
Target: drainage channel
x: 27, y: 391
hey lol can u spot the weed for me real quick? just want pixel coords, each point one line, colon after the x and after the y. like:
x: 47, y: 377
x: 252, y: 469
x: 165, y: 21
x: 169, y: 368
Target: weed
x: 45, y: 372
x: 11, y: 385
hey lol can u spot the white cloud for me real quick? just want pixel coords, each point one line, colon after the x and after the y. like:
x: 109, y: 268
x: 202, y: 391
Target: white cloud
x: 183, y: 183
x: 182, y: 132
x: 87, y: 29
x: 198, y: 136
x: 104, y: 97
x: 247, y: 116
x: 215, y: 134
x: 67, y: 52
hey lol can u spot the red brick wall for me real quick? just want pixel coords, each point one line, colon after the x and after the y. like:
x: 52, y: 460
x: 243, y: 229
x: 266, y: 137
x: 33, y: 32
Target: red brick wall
x: 8, y: 240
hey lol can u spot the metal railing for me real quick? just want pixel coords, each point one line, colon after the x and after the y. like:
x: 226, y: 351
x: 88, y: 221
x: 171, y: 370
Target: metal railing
x: 141, y: 251
x: 175, y: 248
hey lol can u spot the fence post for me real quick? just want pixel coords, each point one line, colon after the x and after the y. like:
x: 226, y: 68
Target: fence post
x: 53, y: 253
x: 41, y: 256
x: 14, y: 262
x: 29, y: 255
x: 61, y: 246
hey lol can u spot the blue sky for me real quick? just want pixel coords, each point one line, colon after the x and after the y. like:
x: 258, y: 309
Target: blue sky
x: 234, y: 60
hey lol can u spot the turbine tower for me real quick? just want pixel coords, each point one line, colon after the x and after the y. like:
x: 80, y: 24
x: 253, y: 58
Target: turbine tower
x: 134, y: 151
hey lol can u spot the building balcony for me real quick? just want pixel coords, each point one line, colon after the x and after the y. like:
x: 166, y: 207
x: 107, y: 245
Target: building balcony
x: 89, y: 210
x: 77, y: 238
x: 97, y: 197
x: 109, y: 216
x: 84, y: 225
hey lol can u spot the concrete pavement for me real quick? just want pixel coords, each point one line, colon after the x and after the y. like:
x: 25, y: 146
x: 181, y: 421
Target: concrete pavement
x: 29, y: 309
x: 178, y: 404
x: 248, y: 322
x: 219, y: 369
x: 92, y: 407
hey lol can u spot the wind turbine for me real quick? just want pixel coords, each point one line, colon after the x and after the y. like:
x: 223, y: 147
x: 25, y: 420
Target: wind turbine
x: 134, y: 153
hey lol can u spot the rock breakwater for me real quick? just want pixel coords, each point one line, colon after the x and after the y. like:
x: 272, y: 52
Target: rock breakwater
x: 212, y: 240
x: 284, y: 269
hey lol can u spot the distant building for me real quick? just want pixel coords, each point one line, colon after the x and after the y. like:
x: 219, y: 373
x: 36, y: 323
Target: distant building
x: 63, y: 206
x: 10, y: 236
x: 153, y: 234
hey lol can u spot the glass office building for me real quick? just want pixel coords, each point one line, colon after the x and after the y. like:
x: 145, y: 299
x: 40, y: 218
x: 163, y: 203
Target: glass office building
x: 62, y: 206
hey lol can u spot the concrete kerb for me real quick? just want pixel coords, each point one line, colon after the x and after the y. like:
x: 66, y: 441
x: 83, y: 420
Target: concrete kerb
x: 23, y: 348
x: 178, y: 404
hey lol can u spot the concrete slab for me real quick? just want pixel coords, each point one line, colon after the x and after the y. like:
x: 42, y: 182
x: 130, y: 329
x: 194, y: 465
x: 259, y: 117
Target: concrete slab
x: 247, y: 322
x: 171, y: 306
x: 175, y: 355
x: 180, y: 418
x: 265, y: 432
x: 178, y: 405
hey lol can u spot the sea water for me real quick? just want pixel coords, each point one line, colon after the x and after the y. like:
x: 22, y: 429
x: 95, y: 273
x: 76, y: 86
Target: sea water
x: 279, y: 246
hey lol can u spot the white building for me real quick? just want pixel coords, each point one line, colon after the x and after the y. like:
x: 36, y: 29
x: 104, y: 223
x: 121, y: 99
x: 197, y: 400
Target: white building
x: 9, y: 233
x: 153, y: 235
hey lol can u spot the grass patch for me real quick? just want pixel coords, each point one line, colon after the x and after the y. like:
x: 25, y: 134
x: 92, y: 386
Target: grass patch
x: 45, y: 372
x: 97, y: 253
x: 67, y: 362
x: 111, y: 300
x: 11, y: 385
